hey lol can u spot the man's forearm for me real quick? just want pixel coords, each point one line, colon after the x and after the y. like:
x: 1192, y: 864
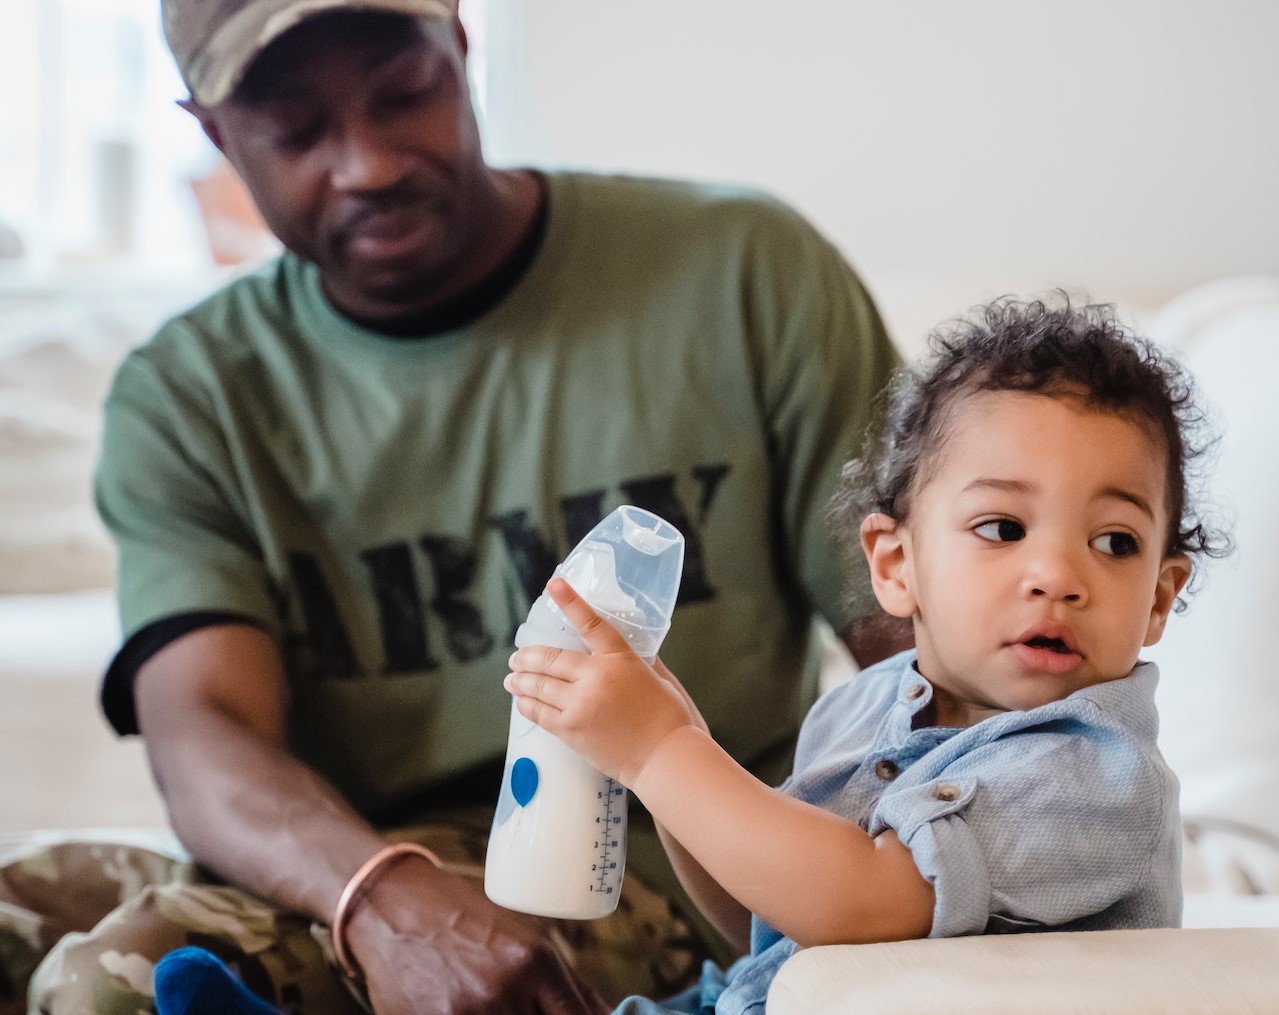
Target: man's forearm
x: 256, y: 816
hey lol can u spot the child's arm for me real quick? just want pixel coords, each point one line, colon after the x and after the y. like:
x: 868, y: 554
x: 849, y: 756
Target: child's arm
x: 725, y: 913
x: 721, y: 910
x: 811, y: 874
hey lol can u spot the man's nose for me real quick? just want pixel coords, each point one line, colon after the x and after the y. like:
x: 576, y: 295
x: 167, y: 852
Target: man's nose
x: 367, y: 159
x: 1054, y: 572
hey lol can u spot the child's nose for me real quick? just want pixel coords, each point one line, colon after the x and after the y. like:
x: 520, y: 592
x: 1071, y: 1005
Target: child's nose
x: 1054, y: 574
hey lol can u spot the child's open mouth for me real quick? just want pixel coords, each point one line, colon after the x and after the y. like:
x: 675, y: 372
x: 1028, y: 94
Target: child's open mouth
x: 1044, y: 653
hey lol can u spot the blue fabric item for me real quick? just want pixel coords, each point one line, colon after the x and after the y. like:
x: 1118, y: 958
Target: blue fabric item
x: 192, y: 981
x: 699, y: 999
x: 1062, y: 817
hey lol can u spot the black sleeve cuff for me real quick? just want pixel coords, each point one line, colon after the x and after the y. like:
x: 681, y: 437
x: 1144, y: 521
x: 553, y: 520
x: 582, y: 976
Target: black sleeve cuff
x: 116, y: 694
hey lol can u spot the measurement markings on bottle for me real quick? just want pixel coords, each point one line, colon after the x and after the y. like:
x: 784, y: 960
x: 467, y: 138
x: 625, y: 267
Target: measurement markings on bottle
x: 605, y: 870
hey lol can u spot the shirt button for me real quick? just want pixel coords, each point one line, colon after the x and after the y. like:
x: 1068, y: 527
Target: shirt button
x: 915, y: 692
x: 946, y: 793
x: 886, y: 769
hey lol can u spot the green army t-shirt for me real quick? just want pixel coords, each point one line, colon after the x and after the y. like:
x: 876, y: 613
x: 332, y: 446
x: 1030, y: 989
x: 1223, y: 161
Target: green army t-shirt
x: 390, y: 507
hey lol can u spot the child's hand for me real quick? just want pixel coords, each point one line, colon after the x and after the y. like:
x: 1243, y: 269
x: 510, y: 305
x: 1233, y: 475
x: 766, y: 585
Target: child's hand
x: 611, y: 706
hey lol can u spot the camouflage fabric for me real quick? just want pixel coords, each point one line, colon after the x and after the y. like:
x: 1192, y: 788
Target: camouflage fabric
x: 82, y: 925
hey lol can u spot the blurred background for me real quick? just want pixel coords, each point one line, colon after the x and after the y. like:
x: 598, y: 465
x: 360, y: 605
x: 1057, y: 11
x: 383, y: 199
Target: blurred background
x: 953, y: 151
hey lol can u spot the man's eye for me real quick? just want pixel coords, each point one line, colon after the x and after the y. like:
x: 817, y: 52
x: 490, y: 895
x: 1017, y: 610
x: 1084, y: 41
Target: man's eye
x: 408, y: 98
x: 299, y: 136
x: 1116, y: 544
x: 1001, y: 530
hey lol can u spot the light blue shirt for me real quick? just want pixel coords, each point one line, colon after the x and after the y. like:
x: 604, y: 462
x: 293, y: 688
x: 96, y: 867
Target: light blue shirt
x: 1063, y: 817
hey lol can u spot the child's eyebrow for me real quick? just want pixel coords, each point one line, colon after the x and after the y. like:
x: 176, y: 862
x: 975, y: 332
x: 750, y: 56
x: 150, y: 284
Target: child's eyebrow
x: 1004, y: 485
x: 1020, y: 486
x: 1135, y: 499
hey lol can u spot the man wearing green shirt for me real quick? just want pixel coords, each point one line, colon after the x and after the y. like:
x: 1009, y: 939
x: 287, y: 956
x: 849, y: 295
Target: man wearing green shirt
x: 338, y: 484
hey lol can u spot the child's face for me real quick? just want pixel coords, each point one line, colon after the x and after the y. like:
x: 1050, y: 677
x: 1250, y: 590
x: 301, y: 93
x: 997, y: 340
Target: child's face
x: 1033, y: 559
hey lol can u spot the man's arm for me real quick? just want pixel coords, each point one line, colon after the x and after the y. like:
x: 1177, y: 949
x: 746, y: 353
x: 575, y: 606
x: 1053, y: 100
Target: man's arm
x: 212, y: 708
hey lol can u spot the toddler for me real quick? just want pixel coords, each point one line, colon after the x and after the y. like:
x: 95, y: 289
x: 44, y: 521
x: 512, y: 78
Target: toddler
x: 1027, y: 506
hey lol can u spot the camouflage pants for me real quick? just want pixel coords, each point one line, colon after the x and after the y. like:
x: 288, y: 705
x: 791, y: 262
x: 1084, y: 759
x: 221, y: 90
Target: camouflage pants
x: 82, y: 925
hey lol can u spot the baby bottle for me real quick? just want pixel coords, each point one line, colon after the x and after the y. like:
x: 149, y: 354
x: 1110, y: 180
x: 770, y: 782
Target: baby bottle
x: 558, y: 845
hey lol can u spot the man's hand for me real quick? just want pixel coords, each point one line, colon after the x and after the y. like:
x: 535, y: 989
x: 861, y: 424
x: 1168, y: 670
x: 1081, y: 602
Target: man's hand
x: 610, y: 706
x: 430, y: 943
x: 212, y: 707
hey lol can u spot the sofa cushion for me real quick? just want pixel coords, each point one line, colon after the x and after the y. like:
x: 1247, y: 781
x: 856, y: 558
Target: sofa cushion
x: 1112, y: 972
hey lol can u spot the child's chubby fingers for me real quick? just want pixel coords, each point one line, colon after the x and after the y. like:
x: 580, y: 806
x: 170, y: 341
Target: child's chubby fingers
x: 561, y: 663
x: 537, y: 687
x: 539, y: 698
x: 599, y: 635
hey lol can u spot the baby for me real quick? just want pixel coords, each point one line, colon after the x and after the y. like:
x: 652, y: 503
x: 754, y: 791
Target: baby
x: 1027, y: 507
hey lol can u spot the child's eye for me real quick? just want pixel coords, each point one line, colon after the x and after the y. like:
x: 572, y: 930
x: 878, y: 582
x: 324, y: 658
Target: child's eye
x: 1116, y: 544
x: 1001, y: 530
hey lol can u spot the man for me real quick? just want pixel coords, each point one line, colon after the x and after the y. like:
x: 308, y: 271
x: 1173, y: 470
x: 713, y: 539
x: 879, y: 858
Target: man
x: 338, y: 484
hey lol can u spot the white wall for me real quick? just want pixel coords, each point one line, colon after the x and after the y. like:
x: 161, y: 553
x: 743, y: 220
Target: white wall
x: 954, y: 150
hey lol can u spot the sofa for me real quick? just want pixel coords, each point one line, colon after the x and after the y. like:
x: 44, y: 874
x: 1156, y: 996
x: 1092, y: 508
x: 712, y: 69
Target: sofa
x: 62, y: 773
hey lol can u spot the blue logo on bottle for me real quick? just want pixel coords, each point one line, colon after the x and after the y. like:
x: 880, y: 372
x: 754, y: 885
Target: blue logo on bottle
x: 523, y: 780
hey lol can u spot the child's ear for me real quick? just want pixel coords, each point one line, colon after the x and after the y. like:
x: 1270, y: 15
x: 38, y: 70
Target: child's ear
x: 1173, y: 575
x: 883, y: 542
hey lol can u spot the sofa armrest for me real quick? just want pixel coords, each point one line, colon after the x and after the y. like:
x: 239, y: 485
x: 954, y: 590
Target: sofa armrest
x: 1112, y: 972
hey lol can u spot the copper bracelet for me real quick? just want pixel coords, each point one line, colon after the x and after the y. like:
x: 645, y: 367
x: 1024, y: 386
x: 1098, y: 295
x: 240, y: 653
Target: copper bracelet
x: 354, y: 890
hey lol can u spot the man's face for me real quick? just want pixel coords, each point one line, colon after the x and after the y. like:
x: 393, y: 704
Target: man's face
x: 355, y: 135
x: 1034, y: 555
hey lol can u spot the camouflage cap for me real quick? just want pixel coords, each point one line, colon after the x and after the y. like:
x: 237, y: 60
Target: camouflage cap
x: 214, y: 41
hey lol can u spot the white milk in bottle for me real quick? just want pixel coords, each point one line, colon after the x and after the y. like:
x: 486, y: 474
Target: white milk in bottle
x: 558, y: 845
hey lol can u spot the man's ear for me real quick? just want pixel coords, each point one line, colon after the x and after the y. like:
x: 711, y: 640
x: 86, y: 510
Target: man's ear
x: 207, y: 122
x: 1174, y: 572
x: 883, y: 542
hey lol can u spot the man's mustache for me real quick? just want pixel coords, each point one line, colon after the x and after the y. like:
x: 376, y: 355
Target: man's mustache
x: 405, y: 194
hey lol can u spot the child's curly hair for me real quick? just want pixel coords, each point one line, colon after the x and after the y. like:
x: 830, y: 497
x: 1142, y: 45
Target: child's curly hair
x: 1050, y: 348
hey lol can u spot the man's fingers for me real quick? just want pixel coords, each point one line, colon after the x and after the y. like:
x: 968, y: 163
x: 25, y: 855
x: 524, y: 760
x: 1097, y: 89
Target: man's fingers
x: 599, y: 635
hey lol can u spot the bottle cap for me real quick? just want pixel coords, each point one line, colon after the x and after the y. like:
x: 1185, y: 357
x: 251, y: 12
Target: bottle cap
x: 628, y: 568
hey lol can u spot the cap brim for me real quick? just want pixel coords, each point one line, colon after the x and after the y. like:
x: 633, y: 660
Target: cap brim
x: 242, y: 37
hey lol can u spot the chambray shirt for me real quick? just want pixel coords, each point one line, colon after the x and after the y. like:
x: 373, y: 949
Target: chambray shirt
x: 1062, y: 817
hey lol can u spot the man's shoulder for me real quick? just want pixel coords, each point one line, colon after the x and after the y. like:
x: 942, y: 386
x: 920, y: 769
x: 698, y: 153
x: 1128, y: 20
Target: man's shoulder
x: 227, y: 325
x: 264, y: 284
x: 680, y: 201
x: 228, y: 313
